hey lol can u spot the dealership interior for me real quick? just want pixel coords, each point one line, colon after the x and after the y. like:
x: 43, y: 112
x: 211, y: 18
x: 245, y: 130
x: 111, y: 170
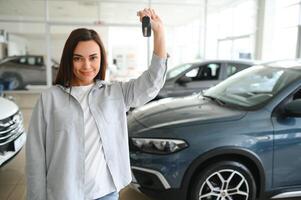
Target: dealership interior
x: 200, y: 35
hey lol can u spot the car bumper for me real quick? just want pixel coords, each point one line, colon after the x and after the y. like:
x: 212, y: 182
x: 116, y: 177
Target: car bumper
x: 11, y: 149
x: 134, y: 184
x: 150, y: 178
x: 154, y: 184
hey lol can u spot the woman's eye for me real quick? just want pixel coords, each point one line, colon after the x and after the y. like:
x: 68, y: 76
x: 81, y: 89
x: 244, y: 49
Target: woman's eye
x: 94, y: 58
x: 76, y: 58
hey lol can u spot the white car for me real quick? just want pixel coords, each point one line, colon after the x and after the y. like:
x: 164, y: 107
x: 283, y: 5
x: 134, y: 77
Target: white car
x: 12, y: 133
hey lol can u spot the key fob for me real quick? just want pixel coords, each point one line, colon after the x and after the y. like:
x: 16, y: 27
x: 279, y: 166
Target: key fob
x: 146, y: 26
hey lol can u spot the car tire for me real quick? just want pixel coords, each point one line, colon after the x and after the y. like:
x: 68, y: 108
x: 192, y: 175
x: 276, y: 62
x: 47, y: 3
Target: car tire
x: 224, y: 180
x: 16, y: 82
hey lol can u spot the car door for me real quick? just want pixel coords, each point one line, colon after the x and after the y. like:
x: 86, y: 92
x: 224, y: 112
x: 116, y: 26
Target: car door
x: 197, y: 79
x: 287, y: 146
x: 36, y: 70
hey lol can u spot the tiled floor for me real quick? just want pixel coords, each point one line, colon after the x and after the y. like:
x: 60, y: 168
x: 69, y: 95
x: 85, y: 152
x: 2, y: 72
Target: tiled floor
x: 12, y: 177
x: 13, y: 186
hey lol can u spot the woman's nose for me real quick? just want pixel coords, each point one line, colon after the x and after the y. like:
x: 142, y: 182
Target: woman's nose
x: 86, y: 63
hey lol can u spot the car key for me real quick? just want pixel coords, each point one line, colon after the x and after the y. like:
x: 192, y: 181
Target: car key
x: 146, y: 26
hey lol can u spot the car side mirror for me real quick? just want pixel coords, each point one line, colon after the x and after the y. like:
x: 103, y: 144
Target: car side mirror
x: 183, y: 80
x: 293, y: 108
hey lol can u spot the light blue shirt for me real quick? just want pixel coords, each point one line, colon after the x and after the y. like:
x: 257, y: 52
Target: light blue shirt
x: 55, y: 153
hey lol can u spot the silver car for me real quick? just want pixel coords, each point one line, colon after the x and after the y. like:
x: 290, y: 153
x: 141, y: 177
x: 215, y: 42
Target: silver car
x: 190, y: 78
x: 20, y: 71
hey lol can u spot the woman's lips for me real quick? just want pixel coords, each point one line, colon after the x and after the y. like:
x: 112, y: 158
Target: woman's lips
x: 87, y: 73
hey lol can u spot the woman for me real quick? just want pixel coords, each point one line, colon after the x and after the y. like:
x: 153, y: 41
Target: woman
x: 77, y: 145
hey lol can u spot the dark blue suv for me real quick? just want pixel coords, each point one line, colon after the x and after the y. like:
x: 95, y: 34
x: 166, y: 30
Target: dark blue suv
x: 240, y: 140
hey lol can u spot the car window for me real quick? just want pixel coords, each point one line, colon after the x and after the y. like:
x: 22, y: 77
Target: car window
x: 297, y: 95
x: 17, y: 60
x: 177, y: 70
x: 215, y: 69
x: 22, y: 60
x: 234, y: 68
x: 205, y: 72
x: 231, y: 70
x: 39, y: 61
x: 192, y: 73
x: 31, y: 61
x: 209, y: 72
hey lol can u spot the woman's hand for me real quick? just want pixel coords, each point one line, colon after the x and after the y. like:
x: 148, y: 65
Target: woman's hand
x: 156, y: 22
x: 157, y: 26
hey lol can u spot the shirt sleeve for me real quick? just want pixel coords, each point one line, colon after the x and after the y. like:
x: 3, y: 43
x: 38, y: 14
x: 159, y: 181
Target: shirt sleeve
x: 35, y: 154
x: 137, y: 92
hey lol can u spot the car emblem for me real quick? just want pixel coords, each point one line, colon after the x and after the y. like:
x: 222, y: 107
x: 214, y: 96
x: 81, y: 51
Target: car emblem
x: 16, y: 119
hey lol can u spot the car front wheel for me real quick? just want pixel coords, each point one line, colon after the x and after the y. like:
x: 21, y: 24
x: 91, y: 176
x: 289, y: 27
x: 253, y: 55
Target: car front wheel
x: 15, y: 81
x: 224, y: 180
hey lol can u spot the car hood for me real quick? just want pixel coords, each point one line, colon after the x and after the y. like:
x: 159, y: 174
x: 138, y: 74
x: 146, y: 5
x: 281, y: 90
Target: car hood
x: 191, y: 109
x: 7, y: 107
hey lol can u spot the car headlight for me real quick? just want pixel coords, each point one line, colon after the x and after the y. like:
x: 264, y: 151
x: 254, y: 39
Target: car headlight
x: 158, y: 146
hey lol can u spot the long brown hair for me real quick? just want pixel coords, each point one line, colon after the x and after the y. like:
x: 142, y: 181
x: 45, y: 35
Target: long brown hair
x: 65, y: 73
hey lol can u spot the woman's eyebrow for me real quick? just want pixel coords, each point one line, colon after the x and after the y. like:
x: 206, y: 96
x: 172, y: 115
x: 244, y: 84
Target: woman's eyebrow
x: 77, y: 55
x: 94, y: 54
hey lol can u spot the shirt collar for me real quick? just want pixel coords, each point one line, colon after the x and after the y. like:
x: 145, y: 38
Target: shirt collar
x: 98, y: 83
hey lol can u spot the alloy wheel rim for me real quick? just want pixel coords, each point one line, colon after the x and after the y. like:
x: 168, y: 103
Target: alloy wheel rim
x: 226, y: 184
x: 14, y: 82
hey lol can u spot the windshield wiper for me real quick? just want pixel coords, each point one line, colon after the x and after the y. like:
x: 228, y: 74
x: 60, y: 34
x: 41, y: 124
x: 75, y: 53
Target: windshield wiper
x: 218, y: 101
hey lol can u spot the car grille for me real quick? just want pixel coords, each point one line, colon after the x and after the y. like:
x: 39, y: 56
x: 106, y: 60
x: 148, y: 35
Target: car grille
x: 132, y: 147
x: 10, y: 129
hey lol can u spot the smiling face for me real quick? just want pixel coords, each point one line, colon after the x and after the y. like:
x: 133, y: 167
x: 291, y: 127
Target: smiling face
x: 86, y: 62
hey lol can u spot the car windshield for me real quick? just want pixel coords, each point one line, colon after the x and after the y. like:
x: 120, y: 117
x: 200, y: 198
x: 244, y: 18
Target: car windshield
x: 4, y: 60
x: 253, y: 86
x: 177, y: 70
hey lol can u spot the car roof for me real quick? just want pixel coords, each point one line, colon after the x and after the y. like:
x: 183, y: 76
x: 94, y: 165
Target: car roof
x: 238, y: 61
x: 9, y: 58
x: 18, y: 56
x: 289, y: 64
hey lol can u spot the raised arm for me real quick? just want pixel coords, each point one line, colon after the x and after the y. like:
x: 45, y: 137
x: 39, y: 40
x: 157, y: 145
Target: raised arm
x: 146, y: 87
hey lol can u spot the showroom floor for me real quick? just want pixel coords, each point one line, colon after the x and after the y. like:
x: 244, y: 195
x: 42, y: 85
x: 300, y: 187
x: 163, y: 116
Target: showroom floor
x: 13, y: 186
x: 12, y: 176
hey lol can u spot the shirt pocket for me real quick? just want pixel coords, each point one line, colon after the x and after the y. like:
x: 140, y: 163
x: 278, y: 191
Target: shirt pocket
x: 62, y: 120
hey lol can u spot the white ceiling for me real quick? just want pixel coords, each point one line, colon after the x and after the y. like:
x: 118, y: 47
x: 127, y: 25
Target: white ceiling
x: 109, y: 12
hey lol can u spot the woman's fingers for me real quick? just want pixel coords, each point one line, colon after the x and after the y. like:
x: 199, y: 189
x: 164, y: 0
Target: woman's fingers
x: 146, y: 12
x: 153, y: 14
x: 155, y: 19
